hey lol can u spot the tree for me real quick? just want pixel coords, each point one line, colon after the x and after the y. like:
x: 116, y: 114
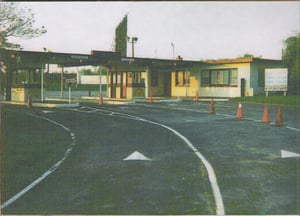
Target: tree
x: 291, y: 60
x: 16, y: 22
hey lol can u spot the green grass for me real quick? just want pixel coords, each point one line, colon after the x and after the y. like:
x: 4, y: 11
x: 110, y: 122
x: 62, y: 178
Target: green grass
x: 288, y: 101
x: 30, y: 146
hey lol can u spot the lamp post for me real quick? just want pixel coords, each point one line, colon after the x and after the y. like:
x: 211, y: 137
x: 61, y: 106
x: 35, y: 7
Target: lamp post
x: 173, y: 50
x: 132, y: 40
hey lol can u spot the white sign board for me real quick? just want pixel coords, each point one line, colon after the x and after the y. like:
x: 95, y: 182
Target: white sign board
x: 276, y: 79
x: 92, y: 79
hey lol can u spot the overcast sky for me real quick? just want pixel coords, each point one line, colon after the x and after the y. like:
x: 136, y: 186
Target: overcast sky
x: 198, y: 30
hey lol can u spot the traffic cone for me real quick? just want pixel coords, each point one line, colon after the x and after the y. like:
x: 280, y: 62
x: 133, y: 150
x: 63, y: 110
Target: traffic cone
x: 29, y: 104
x: 197, y: 96
x: 212, y: 107
x: 100, y: 99
x: 240, y: 113
x: 266, y: 118
x: 151, y: 99
x: 279, y: 122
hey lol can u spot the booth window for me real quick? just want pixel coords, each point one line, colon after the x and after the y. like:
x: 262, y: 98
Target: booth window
x: 182, y: 78
x: 219, y: 77
x: 135, y: 79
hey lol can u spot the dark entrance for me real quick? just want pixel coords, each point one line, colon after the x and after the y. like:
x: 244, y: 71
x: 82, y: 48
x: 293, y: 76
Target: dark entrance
x: 113, y: 87
x: 167, y: 84
x: 243, y: 87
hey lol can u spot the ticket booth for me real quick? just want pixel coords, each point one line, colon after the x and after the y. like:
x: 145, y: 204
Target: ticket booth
x: 20, y: 93
x: 126, y: 84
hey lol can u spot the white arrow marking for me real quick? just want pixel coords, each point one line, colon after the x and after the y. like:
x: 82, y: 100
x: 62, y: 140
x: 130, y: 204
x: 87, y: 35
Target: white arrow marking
x: 44, y: 111
x: 136, y: 156
x: 287, y: 154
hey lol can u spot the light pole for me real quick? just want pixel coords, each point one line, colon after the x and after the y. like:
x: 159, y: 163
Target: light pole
x: 132, y: 41
x: 173, y: 50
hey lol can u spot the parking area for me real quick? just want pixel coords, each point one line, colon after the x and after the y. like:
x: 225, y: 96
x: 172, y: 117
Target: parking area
x: 178, y: 160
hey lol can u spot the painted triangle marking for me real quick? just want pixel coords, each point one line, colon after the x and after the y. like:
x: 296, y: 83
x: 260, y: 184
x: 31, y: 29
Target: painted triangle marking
x: 288, y: 154
x: 45, y: 111
x: 136, y: 156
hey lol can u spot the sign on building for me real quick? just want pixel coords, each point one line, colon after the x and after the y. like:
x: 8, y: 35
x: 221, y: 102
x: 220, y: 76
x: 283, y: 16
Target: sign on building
x: 92, y: 79
x: 276, y: 79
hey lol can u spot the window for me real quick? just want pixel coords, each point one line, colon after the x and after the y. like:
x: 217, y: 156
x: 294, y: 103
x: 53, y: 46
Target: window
x: 182, y: 78
x: 234, y: 76
x: 219, y: 77
x: 135, y: 79
x: 205, y: 80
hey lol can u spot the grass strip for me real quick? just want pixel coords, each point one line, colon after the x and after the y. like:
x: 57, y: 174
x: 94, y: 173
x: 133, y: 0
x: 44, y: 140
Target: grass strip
x: 287, y: 101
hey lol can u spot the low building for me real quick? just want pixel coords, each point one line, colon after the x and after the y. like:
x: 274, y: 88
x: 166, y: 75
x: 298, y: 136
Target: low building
x: 150, y: 77
x: 136, y: 77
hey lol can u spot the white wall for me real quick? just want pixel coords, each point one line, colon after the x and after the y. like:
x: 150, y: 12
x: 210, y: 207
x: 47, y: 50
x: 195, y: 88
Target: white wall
x: 227, y: 91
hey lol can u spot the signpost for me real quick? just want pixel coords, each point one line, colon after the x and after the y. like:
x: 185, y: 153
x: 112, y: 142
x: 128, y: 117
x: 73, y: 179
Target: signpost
x: 276, y: 79
x: 70, y: 82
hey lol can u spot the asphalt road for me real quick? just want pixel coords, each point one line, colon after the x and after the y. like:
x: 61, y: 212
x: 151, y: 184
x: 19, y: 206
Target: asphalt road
x: 245, y: 156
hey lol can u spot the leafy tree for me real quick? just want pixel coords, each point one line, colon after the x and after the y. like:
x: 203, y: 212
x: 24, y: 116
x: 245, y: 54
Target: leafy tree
x: 291, y: 60
x: 16, y: 22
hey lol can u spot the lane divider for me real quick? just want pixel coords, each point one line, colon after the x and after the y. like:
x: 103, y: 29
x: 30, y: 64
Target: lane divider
x: 210, y: 170
x: 50, y: 170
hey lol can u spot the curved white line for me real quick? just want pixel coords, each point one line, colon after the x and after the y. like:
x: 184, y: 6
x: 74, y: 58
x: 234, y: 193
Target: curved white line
x: 211, y: 173
x: 49, y: 171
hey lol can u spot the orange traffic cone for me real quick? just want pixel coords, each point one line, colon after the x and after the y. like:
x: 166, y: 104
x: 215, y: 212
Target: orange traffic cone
x: 279, y: 122
x: 29, y: 104
x: 212, y: 107
x: 240, y: 113
x: 197, y: 96
x: 100, y: 99
x: 266, y: 118
x: 151, y: 99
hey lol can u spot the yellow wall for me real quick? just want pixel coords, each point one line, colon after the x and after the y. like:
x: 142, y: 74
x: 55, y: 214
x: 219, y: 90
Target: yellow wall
x: 185, y: 91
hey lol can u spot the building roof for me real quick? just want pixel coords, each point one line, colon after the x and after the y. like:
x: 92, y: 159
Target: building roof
x: 240, y: 60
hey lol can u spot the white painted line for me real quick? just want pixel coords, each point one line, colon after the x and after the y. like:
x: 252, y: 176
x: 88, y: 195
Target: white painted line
x: 291, y: 128
x: 211, y: 173
x: 49, y: 171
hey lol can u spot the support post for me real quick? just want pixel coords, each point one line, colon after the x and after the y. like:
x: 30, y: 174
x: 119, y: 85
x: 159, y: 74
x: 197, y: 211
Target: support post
x: 42, y: 83
x: 69, y: 93
x: 62, y: 83
x: 8, y: 84
x: 100, y: 79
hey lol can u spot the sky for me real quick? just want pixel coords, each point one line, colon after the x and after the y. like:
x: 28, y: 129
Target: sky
x: 198, y: 30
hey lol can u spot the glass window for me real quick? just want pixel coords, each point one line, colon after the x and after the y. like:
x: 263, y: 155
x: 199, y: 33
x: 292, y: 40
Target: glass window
x: 205, y: 81
x: 182, y: 78
x: 219, y: 77
x: 187, y: 75
x: 233, y: 76
x: 179, y: 78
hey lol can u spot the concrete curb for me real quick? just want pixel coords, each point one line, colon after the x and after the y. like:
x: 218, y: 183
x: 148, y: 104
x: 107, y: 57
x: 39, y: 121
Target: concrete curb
x: 46, y: 105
